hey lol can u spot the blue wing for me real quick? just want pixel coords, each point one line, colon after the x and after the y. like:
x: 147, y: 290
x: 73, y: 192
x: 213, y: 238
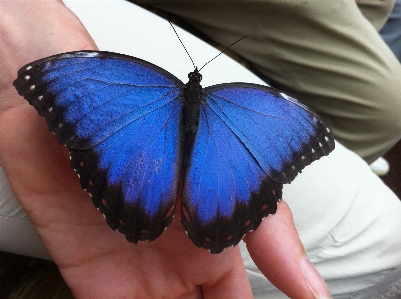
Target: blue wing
x: 250, y: 140
x: 120, y: 117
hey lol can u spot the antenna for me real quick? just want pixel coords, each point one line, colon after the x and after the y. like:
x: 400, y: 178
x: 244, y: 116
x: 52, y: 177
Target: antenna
x: 222, y: 52
x: 210, y: 59
x: 182, y: 44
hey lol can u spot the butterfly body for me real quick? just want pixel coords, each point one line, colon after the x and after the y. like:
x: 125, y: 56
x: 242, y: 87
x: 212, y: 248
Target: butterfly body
x: 193, y: 97
x: 135, y: 131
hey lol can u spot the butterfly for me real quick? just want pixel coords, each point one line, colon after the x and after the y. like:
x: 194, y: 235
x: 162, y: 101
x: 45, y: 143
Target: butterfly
x: 136, y: 132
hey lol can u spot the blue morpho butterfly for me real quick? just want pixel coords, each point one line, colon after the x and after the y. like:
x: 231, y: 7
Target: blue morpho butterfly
x: 135, y: 132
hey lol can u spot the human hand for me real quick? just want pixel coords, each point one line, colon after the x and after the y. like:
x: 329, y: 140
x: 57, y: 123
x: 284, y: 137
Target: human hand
x: 95, y: 261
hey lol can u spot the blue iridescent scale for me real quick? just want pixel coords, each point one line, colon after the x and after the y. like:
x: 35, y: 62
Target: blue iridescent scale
x: 135, y: 132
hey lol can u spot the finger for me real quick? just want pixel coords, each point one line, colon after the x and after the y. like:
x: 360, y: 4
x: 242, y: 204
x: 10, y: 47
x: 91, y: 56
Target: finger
x: 276, y: 249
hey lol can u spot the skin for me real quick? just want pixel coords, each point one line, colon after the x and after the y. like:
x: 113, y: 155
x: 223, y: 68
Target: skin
x: 95, y: 261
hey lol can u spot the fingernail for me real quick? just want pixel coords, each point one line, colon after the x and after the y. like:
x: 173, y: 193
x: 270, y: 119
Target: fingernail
x: 314, y: 280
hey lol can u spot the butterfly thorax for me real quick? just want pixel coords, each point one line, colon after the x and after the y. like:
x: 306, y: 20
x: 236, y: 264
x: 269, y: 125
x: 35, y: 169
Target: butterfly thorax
x: 193, y: 96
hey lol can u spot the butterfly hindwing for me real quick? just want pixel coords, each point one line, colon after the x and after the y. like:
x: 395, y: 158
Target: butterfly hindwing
x: 226, y: 194
x: 120, y: 118
x: 250, y: 140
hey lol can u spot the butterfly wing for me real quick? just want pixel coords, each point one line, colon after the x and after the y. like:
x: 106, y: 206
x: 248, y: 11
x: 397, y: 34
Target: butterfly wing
x: 250, y: 140
x: 119, y: 116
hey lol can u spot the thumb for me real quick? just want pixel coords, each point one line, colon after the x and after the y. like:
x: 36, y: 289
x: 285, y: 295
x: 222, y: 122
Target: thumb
x: 277, y: 251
